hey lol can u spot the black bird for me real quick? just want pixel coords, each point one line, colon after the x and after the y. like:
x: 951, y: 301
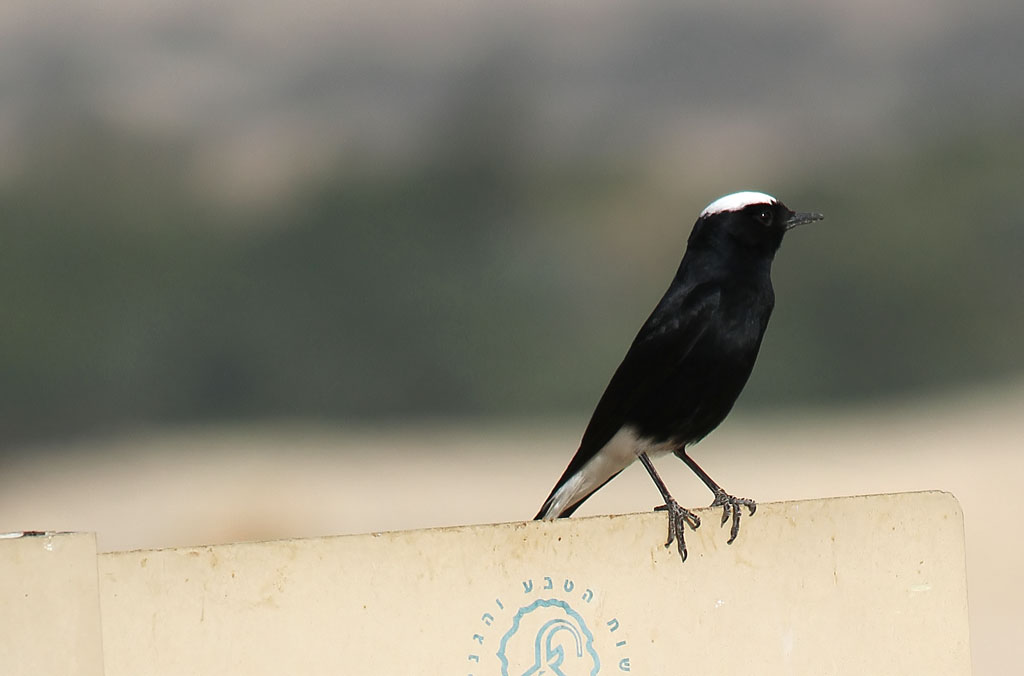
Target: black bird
x: 689, y: 362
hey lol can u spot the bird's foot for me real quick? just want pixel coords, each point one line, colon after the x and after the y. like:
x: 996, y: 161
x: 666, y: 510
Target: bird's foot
x: 731, y: 506
x: 678, y: 519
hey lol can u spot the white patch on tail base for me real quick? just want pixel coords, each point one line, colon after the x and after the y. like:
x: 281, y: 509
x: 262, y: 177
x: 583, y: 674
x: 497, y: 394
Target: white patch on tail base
x: 615, y: 456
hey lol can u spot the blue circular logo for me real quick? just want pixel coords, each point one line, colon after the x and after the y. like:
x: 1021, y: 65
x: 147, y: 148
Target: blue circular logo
x: 549, y: 629
x: 548, y: 637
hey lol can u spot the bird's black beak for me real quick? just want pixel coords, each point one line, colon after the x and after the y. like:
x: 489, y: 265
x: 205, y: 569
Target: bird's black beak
x: 799, y: 218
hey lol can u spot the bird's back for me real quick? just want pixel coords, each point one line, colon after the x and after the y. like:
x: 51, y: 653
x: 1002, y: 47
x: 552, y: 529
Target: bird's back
x: 699, y: 388
x: 685, y: 368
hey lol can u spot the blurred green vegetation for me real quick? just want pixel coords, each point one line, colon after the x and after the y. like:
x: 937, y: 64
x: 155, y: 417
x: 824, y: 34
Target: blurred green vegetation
x: 478, y: 284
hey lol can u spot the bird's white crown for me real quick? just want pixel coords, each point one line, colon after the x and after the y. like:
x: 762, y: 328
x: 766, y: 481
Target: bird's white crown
x: 737, y: 201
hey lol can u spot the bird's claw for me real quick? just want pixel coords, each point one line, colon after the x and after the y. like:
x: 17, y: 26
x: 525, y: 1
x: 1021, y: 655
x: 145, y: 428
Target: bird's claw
x: 678, y: 519
x: 731, y: 507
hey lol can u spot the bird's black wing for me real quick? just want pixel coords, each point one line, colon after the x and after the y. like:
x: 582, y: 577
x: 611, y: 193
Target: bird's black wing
x: 658, y: 350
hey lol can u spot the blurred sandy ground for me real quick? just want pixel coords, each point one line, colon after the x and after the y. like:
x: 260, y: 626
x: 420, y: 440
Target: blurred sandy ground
x: 208, y: 485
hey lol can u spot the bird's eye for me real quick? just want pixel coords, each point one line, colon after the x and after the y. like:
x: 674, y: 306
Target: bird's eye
x: 765, y: 216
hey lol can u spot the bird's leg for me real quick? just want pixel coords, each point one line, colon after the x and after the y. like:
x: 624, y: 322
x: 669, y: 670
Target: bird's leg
x: 678, y: 517
x: 730, y: 504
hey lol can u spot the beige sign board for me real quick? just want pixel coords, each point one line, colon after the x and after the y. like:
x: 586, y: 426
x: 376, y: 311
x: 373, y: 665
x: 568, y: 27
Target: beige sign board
x: 864, y: 585
x: 49, y: 605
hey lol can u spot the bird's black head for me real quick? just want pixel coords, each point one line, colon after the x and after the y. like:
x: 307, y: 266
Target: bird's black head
x: 747, y: 223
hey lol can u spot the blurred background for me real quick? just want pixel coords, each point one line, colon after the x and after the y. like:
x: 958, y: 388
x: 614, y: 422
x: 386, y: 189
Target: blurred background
x: 276, y: 270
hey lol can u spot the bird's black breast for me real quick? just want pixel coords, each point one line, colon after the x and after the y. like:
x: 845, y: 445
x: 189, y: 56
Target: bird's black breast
x: 700, y: 385
x: 688, y: 363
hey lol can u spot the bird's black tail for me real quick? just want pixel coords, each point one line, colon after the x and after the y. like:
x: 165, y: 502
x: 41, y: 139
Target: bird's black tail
x: 543, y: 513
